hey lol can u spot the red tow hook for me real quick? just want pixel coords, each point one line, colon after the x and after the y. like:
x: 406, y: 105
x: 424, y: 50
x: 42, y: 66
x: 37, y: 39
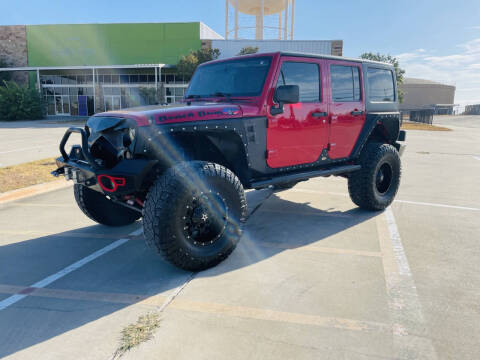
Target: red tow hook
x: 110, y: 183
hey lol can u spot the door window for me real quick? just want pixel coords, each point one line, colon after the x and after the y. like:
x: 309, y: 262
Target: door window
x: 305, y: 75
x: 380, y: 84
x: 345, y: 83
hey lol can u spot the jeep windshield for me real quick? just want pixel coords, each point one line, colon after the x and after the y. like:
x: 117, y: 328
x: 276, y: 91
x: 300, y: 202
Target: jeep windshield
x: 234, y: 78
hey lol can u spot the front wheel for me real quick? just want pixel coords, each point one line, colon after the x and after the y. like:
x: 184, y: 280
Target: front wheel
x: 375, y: 185
x: 193, y: 214
x: 100, y: 209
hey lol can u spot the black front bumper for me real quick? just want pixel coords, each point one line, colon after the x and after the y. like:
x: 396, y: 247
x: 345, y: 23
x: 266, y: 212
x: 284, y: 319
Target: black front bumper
x: 126, y: 177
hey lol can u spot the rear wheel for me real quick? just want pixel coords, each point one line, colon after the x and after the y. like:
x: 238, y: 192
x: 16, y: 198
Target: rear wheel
x: 100, y: 209
x: 375, y: 185
x: 193, y: 214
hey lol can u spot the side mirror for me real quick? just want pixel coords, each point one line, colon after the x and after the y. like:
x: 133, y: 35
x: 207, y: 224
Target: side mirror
x: 285, y: 94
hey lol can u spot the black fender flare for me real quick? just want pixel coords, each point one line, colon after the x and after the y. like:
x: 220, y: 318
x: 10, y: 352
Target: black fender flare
x: 379, y: 126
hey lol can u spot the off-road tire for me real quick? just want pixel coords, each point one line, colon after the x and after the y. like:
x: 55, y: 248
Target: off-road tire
x: 100, y: 209
x: 363, y: 185
x: 165, y: 212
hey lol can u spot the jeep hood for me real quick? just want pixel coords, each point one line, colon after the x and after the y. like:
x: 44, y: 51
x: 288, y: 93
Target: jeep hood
x: 177, y: 113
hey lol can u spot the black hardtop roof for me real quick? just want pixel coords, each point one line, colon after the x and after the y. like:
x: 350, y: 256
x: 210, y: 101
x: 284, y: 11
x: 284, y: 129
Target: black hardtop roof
x: 299, y: 54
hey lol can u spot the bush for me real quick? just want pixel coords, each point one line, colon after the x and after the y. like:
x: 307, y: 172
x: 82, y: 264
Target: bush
x: 20, y: 103
x: 4, y: 75
x: 248, y: 50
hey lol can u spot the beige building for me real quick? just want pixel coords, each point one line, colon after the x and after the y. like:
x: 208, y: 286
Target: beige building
x: 420, y: 94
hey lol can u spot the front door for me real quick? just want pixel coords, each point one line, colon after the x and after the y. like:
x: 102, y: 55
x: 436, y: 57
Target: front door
x: 82, y: 105
x: 347, y: 107
x: 299, y: 134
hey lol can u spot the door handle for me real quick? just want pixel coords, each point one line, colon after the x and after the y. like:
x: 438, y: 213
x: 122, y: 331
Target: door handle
x: 356, y: 113
x: 319, y: 114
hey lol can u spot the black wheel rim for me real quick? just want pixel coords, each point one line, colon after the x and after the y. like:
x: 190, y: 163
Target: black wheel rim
x: 205, y: 219
x: 384, y: 178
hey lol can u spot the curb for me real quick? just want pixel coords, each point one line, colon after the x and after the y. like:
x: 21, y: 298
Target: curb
x: 33, y: 190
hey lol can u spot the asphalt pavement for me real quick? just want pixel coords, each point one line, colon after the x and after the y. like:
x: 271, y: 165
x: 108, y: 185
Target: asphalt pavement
x: 313, y: 277
x: 25, y: 141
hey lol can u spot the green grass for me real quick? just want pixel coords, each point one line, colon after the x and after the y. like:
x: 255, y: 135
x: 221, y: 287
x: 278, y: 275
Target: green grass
x: 421, y: 126
x: 23, y: 175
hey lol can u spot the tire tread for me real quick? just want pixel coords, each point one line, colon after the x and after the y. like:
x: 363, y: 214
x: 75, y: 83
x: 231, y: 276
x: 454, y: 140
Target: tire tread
x: 360, y: 183
x: 158, y: 206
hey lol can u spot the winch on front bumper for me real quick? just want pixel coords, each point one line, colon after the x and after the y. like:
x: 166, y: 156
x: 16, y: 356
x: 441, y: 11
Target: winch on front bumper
x: 126, y: 177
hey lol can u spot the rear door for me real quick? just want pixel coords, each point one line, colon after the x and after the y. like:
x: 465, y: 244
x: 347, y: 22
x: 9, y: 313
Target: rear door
x: 300, y: 133
x: 347, y: 107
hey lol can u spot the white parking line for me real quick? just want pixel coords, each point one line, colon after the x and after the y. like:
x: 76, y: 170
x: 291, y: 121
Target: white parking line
x: 308, y: 191
x: 136, y: 232
x: 75, y: 266
x: 437, y: 205
x: 18, y: 150
x: 410, y: 334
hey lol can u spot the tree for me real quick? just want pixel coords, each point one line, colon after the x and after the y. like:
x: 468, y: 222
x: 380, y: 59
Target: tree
x: 248, y: 50
x: 399, y: 72
x: 20, y: 103
x: 188, y: 63
x: 4, y: 75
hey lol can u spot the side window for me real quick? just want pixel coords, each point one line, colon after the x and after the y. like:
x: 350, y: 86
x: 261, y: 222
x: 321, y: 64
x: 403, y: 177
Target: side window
x: 305, y: 75
x: 345, y: 83
x: 380, y: 84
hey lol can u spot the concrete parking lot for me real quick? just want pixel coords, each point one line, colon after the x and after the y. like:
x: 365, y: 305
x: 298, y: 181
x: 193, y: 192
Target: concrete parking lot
x: 313, y: 277
x: 25, y: 141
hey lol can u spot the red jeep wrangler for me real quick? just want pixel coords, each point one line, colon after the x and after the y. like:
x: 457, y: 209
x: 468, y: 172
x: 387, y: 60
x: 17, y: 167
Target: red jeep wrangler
x: 250, y: 122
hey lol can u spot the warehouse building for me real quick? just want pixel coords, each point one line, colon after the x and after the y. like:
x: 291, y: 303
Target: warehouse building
x: 425, y: 98
x: 83, y: 69
x: 472, y: 109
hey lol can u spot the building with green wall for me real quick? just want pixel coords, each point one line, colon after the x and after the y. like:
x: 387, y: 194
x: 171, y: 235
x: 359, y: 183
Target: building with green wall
x: 86, y: 68
x: 82, y: 69
x: 110, y: 44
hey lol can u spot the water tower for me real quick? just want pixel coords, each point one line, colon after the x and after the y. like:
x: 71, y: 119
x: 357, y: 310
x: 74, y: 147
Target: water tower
x: 272, y: 19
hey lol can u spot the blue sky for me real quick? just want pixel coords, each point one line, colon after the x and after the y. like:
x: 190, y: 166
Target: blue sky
x: 437, y: 40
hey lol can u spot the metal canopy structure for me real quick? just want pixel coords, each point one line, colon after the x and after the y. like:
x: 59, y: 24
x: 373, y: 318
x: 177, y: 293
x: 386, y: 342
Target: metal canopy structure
x: 37, y: 69
x: 85, y: 67
x: 94, y: 73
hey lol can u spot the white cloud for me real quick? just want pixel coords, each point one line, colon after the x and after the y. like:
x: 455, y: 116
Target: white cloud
x: 476, y: 27
x: 474, y: 66
x: 461, y: 69
x: 411, y: 55
x: 472, y: 47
